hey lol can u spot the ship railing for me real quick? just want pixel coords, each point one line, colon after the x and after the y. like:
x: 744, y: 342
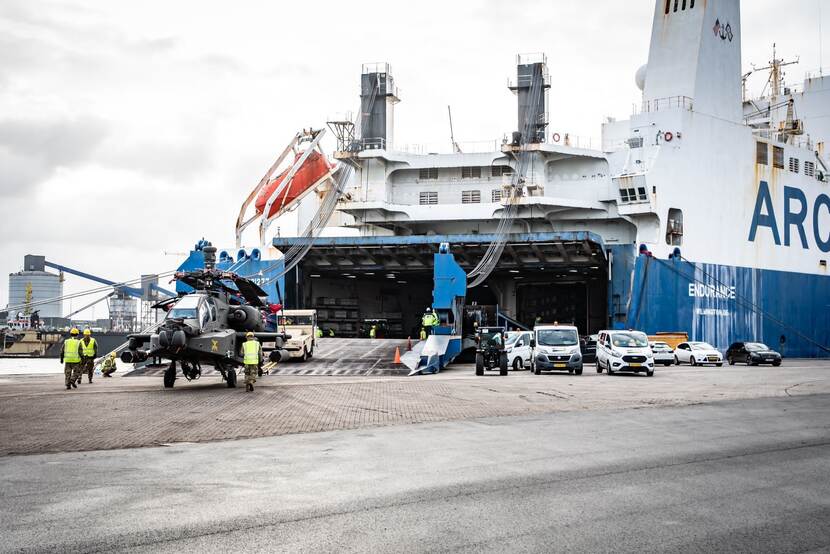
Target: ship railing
x: 376, y: 67
x: 799, y: 141
x: 375, y: 143
x: 664, y: 104
x: 468, y: 147
x: 575, y: 141
x: 817, y: 73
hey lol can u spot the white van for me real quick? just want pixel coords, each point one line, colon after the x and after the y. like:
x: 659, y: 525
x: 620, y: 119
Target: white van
x: 519, y: 351
x: 556, y: 347
x: 624, y: 351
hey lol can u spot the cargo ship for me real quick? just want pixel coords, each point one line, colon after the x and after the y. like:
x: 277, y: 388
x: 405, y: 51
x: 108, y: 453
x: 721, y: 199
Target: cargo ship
x: 707, y: 211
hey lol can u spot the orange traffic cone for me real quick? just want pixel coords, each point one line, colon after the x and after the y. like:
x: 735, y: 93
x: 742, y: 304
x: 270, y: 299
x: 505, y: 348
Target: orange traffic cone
x: 409, y: 344
x: 397, y: 355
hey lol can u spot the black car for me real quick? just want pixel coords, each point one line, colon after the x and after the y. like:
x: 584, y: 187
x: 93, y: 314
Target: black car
x: 588, y: 346
x: 752, y: 353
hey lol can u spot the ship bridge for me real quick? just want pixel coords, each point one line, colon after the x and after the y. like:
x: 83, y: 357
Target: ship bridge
x: 554, y: 276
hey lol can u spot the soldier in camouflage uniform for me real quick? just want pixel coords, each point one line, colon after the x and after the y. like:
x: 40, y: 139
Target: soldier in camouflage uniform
x: 252, y: 358
x: 71, y: 358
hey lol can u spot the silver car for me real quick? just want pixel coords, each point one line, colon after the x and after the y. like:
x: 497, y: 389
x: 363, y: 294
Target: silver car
x: 663, y: 353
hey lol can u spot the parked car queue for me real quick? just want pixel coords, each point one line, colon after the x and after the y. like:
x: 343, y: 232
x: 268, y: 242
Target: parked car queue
x: 559, y: 348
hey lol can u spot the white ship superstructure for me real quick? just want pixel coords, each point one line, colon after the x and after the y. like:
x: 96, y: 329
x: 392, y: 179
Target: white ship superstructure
x: 727, y: 192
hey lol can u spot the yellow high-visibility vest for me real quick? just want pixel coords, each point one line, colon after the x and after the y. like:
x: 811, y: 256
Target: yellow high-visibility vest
x: 251, y: 350
x: 88, y: 349
x: 70, y: 351
x: 429, y: 320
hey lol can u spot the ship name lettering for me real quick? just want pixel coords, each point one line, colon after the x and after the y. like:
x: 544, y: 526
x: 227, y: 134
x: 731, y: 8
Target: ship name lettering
x: 796, y: 210
x: 702, y: 290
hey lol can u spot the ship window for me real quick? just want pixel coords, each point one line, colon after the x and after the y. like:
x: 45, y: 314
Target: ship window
x: 794, y: 165
x: 499, y: 170
x: 495, y: 195
x: 674, y: 227
x: 810, y: 169
x: 427, y: 198
x: 692, y: 4
x: 675, y: 4
x: 470, y: 172
x: 684, y: 5
x: 641, y: 193
x: 778, y: 157
x: 668, y: 4
x: 761, y: 153
x: 630, y: 195
x: 470, y: 196
x: 428, y: 173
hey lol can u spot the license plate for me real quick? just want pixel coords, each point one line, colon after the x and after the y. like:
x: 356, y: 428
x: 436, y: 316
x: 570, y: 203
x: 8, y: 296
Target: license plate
x: 560, y: 365
x: 636, y: 365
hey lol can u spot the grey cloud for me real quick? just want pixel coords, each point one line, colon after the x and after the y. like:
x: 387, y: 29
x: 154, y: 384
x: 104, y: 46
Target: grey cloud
x: 30, y: 150
x: 57, y: 143
x: 176, y: 160
x: 18, y: 174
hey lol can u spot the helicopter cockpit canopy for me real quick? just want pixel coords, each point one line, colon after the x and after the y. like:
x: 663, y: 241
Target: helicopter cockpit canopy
x: 194, y: 309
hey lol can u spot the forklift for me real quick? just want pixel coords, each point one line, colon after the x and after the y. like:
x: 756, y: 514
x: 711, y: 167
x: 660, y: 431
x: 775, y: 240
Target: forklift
x: 490, y: 350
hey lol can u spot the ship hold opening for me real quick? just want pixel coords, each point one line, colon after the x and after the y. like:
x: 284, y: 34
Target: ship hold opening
x: 357, y: 282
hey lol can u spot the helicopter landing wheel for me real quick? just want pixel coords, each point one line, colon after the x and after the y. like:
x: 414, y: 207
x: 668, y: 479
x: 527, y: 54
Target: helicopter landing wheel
x: 170, y: 375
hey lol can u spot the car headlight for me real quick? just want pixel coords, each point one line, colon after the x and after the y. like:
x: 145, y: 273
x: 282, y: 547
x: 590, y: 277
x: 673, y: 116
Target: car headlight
x: 616, y: 354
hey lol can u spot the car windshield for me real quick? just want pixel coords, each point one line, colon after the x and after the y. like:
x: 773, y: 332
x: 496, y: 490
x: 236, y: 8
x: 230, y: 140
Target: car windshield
x: 700, y: 346
x: 512, y: 338
x: 630, y: 340
x: 660, y: 346
x: 557, y: 337
x: 294, y: 320
x: 756, y: 346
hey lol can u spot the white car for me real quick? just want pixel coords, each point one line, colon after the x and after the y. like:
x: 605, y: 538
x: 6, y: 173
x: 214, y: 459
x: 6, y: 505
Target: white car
x: 519, y: 351
x: 556, y: 347
x: 697, y: 353
x: 624, y: 351
x: 663, y: 353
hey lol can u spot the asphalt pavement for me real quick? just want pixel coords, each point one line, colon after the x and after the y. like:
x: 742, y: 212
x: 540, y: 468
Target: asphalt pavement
x: 731, y: 476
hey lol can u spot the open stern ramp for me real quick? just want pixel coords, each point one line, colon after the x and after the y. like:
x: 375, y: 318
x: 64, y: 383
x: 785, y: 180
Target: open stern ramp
x: 557, y: 276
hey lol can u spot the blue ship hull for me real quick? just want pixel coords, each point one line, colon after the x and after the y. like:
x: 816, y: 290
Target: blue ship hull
x: 722, y: 304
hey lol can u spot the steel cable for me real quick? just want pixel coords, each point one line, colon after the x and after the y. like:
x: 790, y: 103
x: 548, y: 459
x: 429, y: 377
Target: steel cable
x: 491, y: 257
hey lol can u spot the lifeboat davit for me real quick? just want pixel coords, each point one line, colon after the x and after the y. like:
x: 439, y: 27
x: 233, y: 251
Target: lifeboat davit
x: 315, y: 167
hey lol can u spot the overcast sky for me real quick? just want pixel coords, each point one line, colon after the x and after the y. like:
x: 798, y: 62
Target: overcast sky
x: 132, y: 128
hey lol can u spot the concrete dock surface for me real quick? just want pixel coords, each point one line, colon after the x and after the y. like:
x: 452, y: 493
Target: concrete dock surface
x: 692, y: 459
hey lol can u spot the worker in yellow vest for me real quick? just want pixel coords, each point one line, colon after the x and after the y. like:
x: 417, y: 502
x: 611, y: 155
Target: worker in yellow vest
x: 373, y: 332
x: 429, y: 320
x: 71, y: 358
x: 109, y: 366
x: 89, y: 350
x: 423, y: 334
x: 252, y: 358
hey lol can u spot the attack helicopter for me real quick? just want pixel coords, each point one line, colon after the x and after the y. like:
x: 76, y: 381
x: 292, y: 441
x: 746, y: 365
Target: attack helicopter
x: 209, y: 325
